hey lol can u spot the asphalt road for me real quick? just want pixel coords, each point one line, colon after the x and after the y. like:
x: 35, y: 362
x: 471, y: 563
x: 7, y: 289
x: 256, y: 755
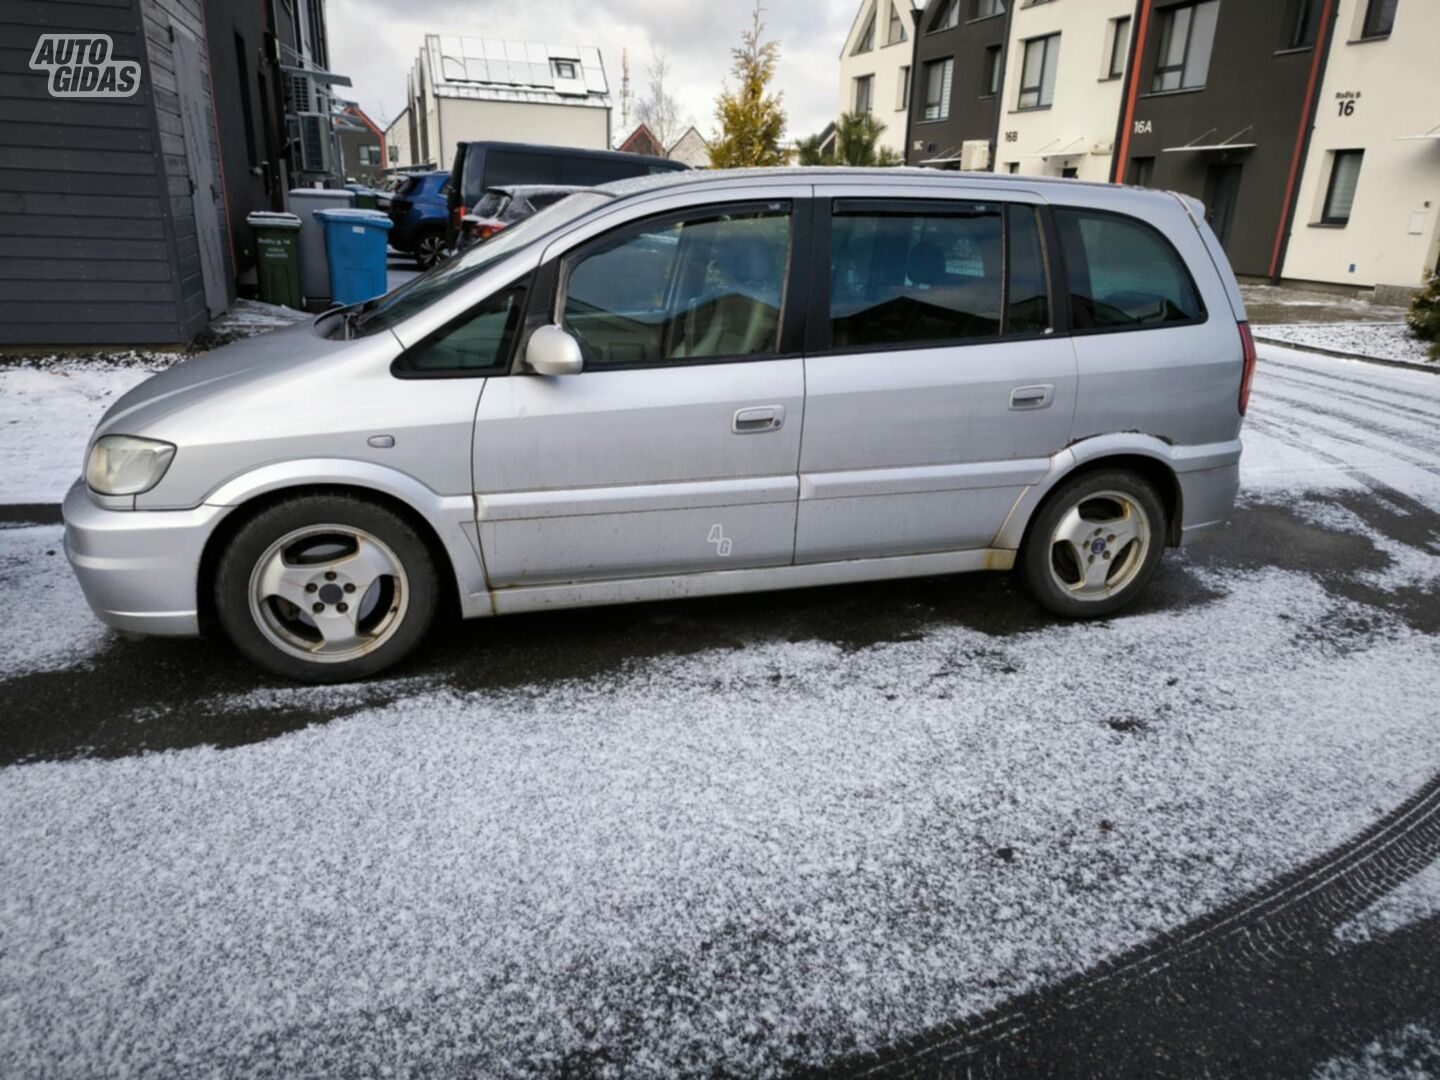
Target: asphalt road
x: 1342, y: 499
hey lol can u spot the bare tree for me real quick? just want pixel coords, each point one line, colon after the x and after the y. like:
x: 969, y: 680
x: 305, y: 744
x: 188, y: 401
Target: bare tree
x: 659, y: 109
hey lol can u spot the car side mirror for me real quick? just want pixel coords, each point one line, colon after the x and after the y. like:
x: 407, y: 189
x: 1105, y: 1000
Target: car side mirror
x: 553, y: 351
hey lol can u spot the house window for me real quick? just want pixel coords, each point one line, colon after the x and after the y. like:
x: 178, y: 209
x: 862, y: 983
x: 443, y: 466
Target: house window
x: 947, y: 16
x: 1379, y: 18
x: 1142, y: 171
x: 1304, y: 24
x: 992, y: 72
x: 564, y: 69
x: 902, y: 96
x: 1340, y: 196
x: 937, y: 88
x: 867, y: 37
x: 1037, y: 76
x: 896, y: 31
x: 1187, y: 37
x: 1119, y: 45
x: 864, y: 93
x: 985, y: 8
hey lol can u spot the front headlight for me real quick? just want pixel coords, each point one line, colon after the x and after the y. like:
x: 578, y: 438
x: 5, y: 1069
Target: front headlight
x: 125, y: 465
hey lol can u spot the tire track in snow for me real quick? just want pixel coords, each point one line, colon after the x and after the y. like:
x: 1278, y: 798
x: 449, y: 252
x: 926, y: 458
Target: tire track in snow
x: 1200, y: 966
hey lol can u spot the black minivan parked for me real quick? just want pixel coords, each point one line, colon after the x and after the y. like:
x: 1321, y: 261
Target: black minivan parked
x: 480, y: 166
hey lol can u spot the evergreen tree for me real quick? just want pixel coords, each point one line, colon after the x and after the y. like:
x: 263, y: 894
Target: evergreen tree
x: 751, y: 119
x: 855, y: 137
x: 811, y: 151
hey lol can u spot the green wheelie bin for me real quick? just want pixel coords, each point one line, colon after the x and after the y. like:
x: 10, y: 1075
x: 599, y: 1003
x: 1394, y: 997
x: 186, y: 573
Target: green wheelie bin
x: 277, y: 256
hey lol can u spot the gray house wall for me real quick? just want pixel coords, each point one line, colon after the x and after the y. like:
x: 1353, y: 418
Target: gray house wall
x: 97, y: 235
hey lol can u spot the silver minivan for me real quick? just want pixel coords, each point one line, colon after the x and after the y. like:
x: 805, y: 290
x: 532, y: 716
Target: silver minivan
x: 684, y: 385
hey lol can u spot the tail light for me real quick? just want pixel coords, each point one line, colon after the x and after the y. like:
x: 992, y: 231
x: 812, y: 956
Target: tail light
x: 487, y: 231
x: 457, y: 216
x: 1247, y: 344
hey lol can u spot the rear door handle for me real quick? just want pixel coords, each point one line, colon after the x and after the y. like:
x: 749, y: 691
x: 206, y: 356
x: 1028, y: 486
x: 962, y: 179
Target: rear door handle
x: 1032, y: 397
x: 757, y: 419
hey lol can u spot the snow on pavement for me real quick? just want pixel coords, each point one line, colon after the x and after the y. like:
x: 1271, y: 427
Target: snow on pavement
x: 46, y: 417
x: 47, y: 622
x: 1385, y: 341
x: 743, y: 859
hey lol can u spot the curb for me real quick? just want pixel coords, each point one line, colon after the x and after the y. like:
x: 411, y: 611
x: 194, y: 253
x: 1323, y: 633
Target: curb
x: 1409, y: 365
x: 31, y: 514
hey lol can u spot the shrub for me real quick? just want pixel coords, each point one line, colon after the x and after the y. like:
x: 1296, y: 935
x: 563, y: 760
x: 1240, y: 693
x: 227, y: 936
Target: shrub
x: 1424, y: 319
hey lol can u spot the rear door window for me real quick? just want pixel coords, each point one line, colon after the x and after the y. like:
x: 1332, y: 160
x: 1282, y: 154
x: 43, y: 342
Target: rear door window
x: 1122, y: 273
x: 587, y: 172
x: 928, y: 274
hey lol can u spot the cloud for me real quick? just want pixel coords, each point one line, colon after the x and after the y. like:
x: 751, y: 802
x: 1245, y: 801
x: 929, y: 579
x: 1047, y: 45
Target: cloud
x: 375, y: 42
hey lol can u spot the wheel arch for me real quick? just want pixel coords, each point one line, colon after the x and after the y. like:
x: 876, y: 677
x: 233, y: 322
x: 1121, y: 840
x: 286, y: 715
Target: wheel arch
x: 446, y: 525
x: 1149, y: 463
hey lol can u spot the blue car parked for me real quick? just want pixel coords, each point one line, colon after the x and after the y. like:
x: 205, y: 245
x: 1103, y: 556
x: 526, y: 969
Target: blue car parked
x: 419, y: 210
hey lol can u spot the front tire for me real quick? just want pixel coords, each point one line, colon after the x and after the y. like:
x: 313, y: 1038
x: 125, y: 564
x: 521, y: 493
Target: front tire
x: 429, y: 249
x: 326, y: 588
x: 1094, y: 544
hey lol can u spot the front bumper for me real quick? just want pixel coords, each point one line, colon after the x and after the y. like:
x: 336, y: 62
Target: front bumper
x: 139, y: 569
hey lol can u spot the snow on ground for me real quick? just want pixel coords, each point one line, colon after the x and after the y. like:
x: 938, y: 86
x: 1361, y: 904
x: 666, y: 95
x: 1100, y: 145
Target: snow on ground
x: 1409, y: 1053
x: 47, y: 622
x: 1386, y: 341
x: 46, y: 417
x: 739, y: 858
x: 1324, y: 424
x: 49, y: 404
x: 745, y: 858
x: 1412, y: 901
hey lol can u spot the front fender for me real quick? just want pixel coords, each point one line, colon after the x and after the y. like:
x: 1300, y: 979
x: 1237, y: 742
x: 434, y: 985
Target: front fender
x: 452, y: 517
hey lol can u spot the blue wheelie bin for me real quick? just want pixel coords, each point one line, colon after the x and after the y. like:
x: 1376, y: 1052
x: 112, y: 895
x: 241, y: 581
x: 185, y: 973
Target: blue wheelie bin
x: 355, y: 249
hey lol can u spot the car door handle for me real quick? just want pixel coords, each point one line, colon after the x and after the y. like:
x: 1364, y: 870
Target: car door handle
x: 757, y: 419
x: 1032, y: 397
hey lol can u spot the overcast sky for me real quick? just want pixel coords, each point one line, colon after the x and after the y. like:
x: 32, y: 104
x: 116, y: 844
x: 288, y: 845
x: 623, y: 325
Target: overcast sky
x: 375, y: 42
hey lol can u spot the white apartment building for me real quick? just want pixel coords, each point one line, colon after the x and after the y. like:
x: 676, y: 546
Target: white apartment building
x: 1060, y: 82
x: 464, y: 89
x: 875, y: 66
x: 1368, y: 209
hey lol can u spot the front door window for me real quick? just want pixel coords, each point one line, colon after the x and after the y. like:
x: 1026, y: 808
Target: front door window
x: 682, y: 289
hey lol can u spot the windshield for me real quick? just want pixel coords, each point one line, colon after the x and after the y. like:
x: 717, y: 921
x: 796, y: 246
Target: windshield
x: 445, y: 277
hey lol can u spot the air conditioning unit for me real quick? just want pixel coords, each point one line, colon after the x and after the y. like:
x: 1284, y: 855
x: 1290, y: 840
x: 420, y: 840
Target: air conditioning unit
x: 300, y: 94
x: 317, y: 148
x: 975, y: 155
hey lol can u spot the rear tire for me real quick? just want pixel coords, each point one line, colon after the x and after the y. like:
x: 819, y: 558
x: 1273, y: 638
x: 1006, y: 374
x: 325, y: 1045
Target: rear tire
x: 326, y: 588
x: 1094, y: 544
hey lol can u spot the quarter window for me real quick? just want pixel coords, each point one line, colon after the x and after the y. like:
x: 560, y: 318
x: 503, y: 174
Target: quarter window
x: 938, y: 74
x: 477, y: 344
x: 682, y: 289
x: 1037, y: 76
x: 1122, y: 273
x: 1187, y: 37
x: 933, y: 274
x: 1344, y: 178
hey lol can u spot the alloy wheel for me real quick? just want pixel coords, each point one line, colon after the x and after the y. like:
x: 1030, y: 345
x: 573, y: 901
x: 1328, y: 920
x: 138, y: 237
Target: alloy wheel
x: 1099, y: 545
x: 328, y: 593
